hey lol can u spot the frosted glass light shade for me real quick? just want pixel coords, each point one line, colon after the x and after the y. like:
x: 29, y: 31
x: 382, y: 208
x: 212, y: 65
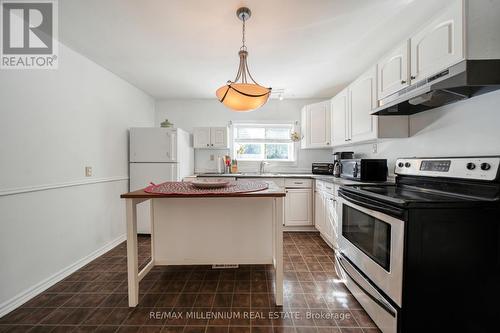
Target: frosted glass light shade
x: 243, y: 97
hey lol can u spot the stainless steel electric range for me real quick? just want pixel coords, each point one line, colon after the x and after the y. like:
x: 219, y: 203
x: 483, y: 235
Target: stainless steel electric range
x: 423, y: 254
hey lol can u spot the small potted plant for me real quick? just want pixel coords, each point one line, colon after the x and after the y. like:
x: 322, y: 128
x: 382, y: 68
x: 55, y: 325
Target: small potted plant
x: 166, y: 124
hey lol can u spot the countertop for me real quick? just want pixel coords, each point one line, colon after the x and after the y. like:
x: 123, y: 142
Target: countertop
x: 326, y: 178
x: 272, y: 192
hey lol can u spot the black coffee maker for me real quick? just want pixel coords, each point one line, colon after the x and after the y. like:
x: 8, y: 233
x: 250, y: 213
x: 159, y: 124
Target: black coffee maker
x: 340, y: 155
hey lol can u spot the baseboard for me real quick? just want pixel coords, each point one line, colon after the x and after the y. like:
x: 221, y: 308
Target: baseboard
x: 300, y: 228
x: 327, y: 242
x: 37, y: 289
x: 193, y: 261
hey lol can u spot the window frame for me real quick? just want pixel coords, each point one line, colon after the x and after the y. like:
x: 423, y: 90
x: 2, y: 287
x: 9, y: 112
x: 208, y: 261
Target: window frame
x: 264, y: 124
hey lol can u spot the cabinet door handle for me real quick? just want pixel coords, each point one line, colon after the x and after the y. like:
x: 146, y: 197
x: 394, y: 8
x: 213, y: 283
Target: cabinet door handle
x: 413, y: 77
x: 403, y: 81
x: 208, y: 145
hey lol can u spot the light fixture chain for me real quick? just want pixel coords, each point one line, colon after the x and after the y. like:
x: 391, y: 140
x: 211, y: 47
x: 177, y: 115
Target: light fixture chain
x: 243, y: 34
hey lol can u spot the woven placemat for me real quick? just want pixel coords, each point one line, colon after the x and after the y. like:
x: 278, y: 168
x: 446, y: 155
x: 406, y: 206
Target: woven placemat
x: 240, y: 186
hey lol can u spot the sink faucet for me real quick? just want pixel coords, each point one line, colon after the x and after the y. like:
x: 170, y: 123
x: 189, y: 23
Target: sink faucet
x: 262, y: 166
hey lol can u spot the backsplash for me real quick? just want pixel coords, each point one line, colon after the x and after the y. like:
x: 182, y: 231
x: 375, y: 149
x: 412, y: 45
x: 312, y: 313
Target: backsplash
x: 205, y: 160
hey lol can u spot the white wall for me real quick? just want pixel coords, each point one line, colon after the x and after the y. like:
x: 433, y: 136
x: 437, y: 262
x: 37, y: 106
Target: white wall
x: 52, y: 125
x: 187, y: 114
x: 466, y: 128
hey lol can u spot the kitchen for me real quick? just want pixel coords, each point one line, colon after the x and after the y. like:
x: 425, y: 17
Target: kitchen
x: 360, y: 194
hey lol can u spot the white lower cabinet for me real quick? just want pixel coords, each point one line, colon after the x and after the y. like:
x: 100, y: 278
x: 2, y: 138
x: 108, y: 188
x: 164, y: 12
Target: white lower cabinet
x: 325, y: 212
x: 319, y: 211
x: 298, y: 207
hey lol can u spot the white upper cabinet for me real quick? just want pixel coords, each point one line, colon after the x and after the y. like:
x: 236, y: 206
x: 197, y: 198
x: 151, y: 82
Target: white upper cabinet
x: 210, y: 137
x: 218, y: 137
x: 201, y: 137
x: 393, y: 71
x: 339, y: 107
x: 352, y: 121
x: 439, y: 44
x: 316, y: 126
x: 362, y: 100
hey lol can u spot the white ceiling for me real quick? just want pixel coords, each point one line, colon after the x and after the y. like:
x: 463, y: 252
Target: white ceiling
x: 188, y: 48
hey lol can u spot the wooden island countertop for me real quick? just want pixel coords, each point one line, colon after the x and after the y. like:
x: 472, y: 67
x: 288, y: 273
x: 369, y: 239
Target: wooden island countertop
x: 272, y: 192
x: 197, y: 228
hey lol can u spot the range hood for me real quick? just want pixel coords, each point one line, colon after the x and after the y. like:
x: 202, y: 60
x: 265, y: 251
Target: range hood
x: 461, y: 81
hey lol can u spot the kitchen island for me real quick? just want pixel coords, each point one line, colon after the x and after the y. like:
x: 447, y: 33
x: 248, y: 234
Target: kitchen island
x: 208, y: 229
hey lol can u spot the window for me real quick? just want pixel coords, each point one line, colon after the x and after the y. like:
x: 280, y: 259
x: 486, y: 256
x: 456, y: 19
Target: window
x: 263, y: 142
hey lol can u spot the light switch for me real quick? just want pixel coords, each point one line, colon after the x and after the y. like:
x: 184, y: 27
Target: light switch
x: 88, y: 171
x: 374, y: 148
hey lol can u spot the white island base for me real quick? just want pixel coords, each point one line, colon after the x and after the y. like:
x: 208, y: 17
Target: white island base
x: 242, y: 229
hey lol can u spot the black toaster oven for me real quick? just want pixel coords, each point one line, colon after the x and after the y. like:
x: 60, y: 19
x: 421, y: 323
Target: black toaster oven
x: 322, y: 168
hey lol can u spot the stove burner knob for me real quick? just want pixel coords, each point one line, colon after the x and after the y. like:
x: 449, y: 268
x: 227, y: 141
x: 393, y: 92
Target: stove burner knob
x: 400, y: 164
x: 407, y: 164
x: 485, y: 166
x: 470, y: 166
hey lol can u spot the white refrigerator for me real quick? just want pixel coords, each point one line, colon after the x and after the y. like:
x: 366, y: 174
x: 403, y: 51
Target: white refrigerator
x: 157, y: 155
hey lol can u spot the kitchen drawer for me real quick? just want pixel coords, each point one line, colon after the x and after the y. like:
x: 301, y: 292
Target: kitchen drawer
x: 298, y: 183
x: 280, y: 182
x: 189, y: 179
x: 329, y: 188
x: 218, y: 178
x: 319, y: 185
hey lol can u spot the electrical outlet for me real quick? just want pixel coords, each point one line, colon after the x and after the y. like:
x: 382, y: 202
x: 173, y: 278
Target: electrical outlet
x: 374, y: 148
x: 88, y: 171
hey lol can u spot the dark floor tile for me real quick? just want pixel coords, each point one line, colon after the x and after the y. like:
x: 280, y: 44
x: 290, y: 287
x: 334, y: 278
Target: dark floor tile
x: 77, y: 316
x: 172, y: 329
x: 106, y: 329
x: 139, y: 316
x: 217, y: 329
x: 117, y: 316
x: 94, y: 299
x: 239, y: 329
x: 40, y: 329
x: 241, y: 300
x: 85, y: 329
x: 194, y: 329
x: 20, y: 329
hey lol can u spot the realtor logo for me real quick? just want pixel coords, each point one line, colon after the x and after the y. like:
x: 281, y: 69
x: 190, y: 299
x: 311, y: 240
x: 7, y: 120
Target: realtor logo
x: 29, y: 34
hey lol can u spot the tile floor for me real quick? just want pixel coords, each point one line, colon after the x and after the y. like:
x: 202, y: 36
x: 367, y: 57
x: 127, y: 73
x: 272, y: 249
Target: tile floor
x: 198, y: 299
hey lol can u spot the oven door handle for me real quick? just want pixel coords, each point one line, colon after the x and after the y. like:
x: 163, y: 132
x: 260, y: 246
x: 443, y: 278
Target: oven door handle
x: 374, y: 295
x: 379, y: 207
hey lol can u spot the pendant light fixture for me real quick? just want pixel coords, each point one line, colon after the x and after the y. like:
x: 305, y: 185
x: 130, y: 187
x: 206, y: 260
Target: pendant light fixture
x: 243, y: 95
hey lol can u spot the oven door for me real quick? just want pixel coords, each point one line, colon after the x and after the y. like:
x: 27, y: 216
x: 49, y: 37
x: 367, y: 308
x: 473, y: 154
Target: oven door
x: 373, y: 241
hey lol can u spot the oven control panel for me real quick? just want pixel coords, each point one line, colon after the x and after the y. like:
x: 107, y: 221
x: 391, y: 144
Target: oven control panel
x: 479, y: 168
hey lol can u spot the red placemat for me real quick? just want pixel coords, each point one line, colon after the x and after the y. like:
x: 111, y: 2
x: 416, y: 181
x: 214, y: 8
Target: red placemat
x: 241, y: 186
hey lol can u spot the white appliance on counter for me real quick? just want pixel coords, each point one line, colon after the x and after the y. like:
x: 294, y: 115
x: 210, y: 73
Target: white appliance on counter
x: 157, y: 155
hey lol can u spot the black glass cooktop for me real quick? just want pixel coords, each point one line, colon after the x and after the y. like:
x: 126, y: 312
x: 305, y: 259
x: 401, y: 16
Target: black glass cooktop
x: 406, y: 195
